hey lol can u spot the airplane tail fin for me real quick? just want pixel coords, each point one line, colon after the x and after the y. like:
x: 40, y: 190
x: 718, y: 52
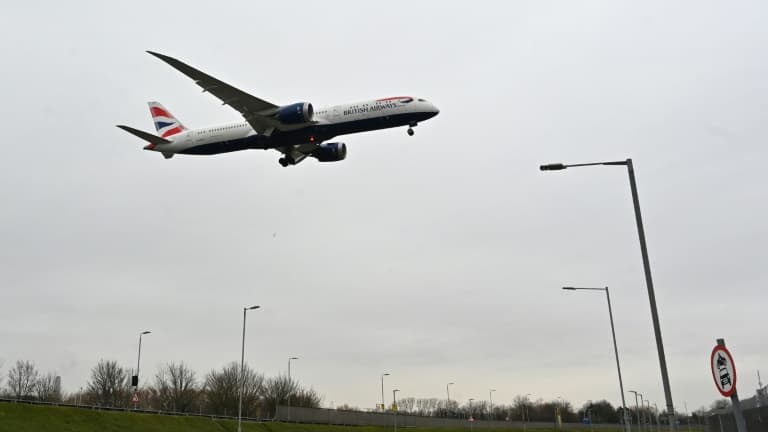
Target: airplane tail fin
x: 165, y: 123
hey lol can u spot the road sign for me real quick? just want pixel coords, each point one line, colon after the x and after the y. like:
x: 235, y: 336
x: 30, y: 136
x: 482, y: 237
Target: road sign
x: 723, y: 370
x: 471, y: 419
x: 135, y: 398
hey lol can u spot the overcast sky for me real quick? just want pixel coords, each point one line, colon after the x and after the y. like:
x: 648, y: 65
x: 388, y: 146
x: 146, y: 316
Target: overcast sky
x: 435, y: 258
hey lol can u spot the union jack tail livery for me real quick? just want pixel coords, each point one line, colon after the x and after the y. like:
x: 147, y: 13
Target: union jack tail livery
x: 165, y: 123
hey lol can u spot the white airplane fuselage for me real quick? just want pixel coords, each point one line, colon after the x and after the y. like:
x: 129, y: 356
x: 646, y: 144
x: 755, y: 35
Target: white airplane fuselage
x: 329, y: 122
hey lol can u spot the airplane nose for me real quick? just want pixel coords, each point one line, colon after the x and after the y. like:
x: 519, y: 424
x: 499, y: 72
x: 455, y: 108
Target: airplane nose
x: 435, y: 109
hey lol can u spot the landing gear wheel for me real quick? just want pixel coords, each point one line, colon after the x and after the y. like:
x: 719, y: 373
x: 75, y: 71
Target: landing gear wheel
x: 410, y: 131
x: 283, y: 162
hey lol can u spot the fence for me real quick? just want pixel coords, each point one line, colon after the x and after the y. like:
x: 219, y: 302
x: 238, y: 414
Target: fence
x: 357, y: 418
x: 143, y: 411
x: 757, y: 421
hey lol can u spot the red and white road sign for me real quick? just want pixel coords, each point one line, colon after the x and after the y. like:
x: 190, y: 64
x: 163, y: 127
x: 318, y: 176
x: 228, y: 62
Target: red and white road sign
x: 135, y: 398
x: 471, y: 419
x: 723, y: 370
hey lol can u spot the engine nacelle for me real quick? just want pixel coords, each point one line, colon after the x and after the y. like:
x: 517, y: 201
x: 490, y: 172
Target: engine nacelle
x: 301, y: 112
x: 330, y: 152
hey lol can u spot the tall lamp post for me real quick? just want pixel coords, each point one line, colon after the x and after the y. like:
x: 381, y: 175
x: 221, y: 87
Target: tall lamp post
x: 394, y: 408
x: 615, y: 349
x: 448, y: 394
x: 639, y: 423
x: 383, y: 405
x: 138, y: 365
x: 490, y: 399
x: 242, y: 373
x: 290, y: 385
x: 646, y: 269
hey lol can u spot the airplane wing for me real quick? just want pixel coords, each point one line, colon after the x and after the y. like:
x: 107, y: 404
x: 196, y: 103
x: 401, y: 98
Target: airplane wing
x: 257, y: 112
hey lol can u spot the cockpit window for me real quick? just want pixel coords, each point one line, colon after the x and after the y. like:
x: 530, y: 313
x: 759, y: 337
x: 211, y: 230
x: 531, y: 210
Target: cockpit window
x: 421, y: 100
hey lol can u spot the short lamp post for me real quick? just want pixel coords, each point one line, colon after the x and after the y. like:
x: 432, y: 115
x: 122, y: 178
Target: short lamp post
x: 394, y: 408
x: 290, y: 385
x: 383, y: 405
x: 138, y: 365
x: 615, y: 350
x: 241, y: 384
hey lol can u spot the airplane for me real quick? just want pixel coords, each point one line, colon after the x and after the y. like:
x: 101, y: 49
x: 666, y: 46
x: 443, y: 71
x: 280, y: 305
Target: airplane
x: 296, y: 130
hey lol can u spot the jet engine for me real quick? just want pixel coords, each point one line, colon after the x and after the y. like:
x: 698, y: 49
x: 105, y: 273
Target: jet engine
x: 301, y: 112
x: 330, y: 152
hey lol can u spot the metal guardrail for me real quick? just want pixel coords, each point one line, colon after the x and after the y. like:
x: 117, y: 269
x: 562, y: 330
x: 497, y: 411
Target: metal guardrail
x: 141, y: 411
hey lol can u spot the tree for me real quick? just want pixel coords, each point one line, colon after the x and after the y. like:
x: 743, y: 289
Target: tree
x: 222, y: 390
x: 406, y: 405
x: 109, y: 384
x: 22, y: 379
x: 307, y: 398
x: 176, y: 388
x: 276, y: 392
x: 601, y: 412
x: 48, y: 387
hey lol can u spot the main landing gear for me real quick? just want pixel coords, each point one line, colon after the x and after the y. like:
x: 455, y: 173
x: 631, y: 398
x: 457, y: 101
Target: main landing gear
x: 410, y: 128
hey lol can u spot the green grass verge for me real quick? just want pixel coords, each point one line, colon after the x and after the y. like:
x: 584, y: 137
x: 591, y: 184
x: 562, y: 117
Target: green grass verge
x: 36, y: 418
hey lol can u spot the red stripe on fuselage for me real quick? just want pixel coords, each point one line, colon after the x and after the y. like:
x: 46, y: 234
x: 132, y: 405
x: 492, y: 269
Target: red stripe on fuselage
x: 173, y: 131
x: 159, y: 112
x: 393, y: 98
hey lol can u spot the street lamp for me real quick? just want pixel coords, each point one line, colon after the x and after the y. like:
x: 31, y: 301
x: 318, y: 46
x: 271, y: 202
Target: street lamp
x: 394, y: 408
x: 525, y: 414
x: 471, y: 418
x: 490, y: 398
x: 647, y: 271
x: 382, y: 391
x: 290, y: 385
x: 639, y: 423
x: 242, y: 373
x: 615, y: 348
x: 650, y: 415
x: 448, y: 393
x: 138, y: 365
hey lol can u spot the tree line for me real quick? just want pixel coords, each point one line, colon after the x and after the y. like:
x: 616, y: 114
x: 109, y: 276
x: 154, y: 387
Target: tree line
x: 540, y: 410
x: 175, y: 388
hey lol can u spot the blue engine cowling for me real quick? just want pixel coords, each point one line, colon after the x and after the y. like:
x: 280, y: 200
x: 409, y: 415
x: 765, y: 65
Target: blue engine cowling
x: 330, y: 152
x: 301, y: 112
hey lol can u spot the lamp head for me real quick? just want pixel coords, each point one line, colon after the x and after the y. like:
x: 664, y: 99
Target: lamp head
x: 552, y: 167
x: 146, y: 332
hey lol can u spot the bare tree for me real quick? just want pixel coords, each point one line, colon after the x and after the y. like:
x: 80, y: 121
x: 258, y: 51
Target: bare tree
x: 276, y: 392
x: 109, y: 384
x: 222, y: 390
x: 48, y: 387
x: 406, y: 404
x: 176, y: 388
x: 21, y: 379
x: 306, y: 398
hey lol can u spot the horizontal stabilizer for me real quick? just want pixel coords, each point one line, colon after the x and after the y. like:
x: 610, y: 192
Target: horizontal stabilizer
x: 146, y: 136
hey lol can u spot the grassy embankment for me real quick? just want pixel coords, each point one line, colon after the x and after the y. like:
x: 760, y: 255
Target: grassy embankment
x: 34, y: 418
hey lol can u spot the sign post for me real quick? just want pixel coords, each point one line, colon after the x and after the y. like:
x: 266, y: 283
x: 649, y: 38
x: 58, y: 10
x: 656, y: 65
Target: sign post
x: 724, y: 374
